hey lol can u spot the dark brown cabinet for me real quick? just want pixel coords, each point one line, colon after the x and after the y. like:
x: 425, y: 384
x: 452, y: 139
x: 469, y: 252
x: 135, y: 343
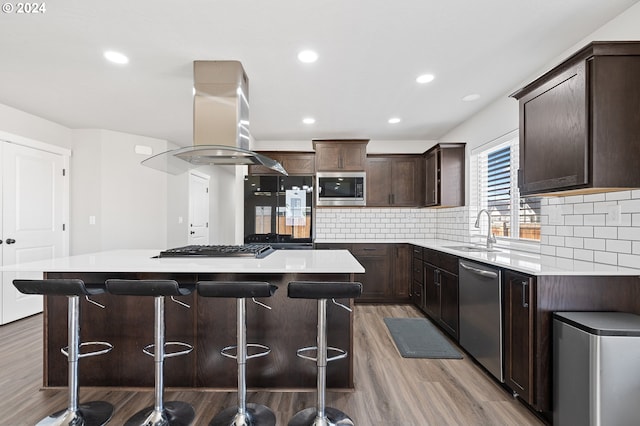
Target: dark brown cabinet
x: 402, y: 256
x: 295, y: 163
x: 340, y: 155
x: 441, y: 289
x: 579, y: 123
x: 444, y: 175
x: 394, y: 180
x: 518, y: 339
x: 387, y: 277
x: 417, y: 278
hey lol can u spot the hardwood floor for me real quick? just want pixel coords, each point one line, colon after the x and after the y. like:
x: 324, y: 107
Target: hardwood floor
x: 389, y: 390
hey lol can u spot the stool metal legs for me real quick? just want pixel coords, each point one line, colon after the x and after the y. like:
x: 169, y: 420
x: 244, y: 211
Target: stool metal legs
x: 173, y: 413
x: 244, y: 414
x: 89, y: 413
x: 321, y: 415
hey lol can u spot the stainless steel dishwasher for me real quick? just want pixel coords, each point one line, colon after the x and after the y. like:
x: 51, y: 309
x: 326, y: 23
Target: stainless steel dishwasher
x: 481, y: 314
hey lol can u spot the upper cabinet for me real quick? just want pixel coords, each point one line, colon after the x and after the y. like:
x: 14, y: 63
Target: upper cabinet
x: 394, y: 180
x: 579, y: 123
x: 340, y: 155
x: 295, y: 163
x: 444, y: 175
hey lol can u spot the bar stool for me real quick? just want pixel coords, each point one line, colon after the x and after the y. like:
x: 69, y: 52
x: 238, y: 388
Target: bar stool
x: 88, y: 413
x: 174, y: 413
x: 244, y: 414
x: 322, y: 415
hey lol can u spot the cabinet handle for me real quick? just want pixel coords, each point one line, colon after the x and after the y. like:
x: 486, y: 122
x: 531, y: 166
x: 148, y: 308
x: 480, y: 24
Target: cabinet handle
x: 524, y: 294
x: 10, y: 241
x: 436, y: 277
x: 393, y: 199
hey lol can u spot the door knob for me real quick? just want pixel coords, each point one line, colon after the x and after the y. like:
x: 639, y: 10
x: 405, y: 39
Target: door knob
x: 10, y: 241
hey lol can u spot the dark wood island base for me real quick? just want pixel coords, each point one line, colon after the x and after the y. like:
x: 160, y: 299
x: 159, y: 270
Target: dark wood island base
x: 209, y: 325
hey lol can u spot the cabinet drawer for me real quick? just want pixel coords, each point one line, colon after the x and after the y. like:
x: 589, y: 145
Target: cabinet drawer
x: 417, y: 252
x: 417, y: 271
x: 370, y: 249
x: 441, y: 260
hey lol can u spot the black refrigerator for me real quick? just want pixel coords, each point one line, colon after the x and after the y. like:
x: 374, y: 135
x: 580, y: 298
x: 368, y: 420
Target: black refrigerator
x: 279, y: 210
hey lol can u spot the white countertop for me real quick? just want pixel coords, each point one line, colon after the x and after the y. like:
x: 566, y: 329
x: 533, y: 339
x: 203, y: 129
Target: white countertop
x: 280, y: 261
x: 529, y: 263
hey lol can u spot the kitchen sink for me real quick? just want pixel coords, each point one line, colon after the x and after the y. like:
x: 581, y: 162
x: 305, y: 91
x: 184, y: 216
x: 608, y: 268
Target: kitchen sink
x: 471, y: 248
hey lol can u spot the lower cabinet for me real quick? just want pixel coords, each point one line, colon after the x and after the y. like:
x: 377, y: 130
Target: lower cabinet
x: 441, y: 289
x: 387, y: 276
x: 518, y: 340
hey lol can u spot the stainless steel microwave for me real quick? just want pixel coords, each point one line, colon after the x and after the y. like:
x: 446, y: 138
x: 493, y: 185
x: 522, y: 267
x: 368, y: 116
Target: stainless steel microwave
x: 341, y: 189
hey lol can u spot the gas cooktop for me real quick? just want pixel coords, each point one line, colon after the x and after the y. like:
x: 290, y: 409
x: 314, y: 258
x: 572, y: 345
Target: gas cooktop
x: 257, y: 251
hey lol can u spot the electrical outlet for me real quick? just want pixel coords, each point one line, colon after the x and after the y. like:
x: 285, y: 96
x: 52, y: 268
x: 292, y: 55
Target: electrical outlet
x: 614, y: 215
x: 555, y: 215
x: 92, y: 220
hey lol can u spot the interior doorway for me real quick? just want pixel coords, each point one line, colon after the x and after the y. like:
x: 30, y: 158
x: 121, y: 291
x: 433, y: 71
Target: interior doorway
x: 198, y: 208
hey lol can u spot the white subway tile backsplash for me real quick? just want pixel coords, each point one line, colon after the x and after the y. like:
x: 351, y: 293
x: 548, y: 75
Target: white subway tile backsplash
x: 618, y: 246
x: 593, y: 198
x: 595, y: 220
x: 605, y: 257
x: 605, y: 232
x: 629, y: 260
x: 583, y: 234
x: 622, y: 195
x: 595, y: 244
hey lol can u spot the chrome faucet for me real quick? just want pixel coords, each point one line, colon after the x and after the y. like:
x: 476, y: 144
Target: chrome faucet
x: 491, y: 239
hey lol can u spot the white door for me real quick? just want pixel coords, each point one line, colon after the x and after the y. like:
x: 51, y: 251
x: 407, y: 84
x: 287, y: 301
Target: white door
x: 32, y: 219
x: 198, y: 209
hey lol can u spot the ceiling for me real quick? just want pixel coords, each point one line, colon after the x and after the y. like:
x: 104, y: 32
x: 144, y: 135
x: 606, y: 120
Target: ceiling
x: 370, y: 53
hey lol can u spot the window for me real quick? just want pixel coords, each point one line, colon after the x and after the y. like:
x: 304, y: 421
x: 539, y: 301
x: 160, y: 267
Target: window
x: 496, y: 167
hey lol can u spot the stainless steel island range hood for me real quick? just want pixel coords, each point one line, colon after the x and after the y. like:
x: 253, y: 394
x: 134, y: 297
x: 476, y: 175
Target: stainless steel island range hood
x: 220, y: 122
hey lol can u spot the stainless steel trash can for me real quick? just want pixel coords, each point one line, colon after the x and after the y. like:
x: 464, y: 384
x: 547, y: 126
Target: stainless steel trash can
x: 596, y: 368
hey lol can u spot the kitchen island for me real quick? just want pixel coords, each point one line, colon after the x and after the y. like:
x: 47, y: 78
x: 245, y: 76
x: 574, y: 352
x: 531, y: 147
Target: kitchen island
x: 209, y: 324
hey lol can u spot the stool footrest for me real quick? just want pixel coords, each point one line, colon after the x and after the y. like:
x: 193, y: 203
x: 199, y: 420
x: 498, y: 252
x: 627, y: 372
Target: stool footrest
x: 147, y: 349
x: 341, y: 353
x: 227, y: 351
x: 107, y: 348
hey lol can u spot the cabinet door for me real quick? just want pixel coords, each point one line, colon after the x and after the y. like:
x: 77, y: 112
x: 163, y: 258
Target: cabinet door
x: 299, y: 163
x: 353, y: 157
x: 449, y: 302
x: 431, y: 180
x: 376, y: 281
x: 328, y: 156
x: 519, y: 362
x: 405, y: 182
x: 432, y: 291
x: 402, y: 271
x: 554, y: 134
x: 378, y: 182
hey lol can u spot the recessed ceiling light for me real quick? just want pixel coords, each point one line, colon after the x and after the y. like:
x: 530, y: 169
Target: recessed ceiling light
x: 394, y: 120
x: 425, y: 78
x: 307, y: 56
x: 472, y: 97
x: 116, y: 57
x: 308, y: 120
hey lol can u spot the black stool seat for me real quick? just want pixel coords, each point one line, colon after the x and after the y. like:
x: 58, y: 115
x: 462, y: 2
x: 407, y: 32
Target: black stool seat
x: 147, y: 288
x: 87, y: 413
x: 57, y: 287
x: 236, y: 289
x: 323, y: 290
x: 243, y: 414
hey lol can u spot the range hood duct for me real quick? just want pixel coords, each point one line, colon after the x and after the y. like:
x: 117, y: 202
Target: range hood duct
x: 220, y: 122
